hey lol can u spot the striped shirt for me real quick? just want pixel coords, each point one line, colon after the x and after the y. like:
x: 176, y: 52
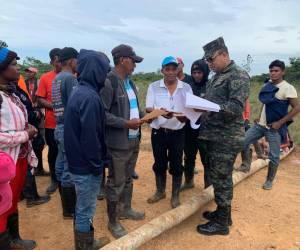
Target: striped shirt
x: 13, y: 120
x: 134, y: 110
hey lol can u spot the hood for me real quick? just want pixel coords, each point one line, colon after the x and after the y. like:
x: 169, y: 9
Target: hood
x: 201, y: 65
x: 92, y: 68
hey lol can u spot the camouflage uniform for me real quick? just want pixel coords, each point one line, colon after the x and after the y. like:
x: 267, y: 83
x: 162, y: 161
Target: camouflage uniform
x: 224, y: 131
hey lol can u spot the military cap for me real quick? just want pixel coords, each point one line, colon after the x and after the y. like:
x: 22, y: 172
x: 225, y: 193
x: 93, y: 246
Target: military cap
x: 213, y: 46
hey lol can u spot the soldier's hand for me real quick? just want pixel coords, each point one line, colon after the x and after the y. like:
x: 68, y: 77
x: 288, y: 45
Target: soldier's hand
x: 133, y: 123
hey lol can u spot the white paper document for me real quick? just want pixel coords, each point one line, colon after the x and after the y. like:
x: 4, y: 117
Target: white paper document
x: 195, y: 102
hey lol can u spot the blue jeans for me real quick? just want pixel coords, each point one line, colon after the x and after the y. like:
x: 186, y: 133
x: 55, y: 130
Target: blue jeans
x: 272, y: 136
x: 61, y: 164
x: 86, y: 187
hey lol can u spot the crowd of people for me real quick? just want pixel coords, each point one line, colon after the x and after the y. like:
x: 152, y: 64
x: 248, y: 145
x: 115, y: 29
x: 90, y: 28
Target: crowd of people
x: 89, y: 115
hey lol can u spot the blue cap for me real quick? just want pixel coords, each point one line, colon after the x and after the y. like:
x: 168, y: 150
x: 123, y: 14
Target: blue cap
x: 169, y: 60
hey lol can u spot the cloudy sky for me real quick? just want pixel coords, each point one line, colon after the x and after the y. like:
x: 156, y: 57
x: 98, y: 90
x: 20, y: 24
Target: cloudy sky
x: 267, y: 30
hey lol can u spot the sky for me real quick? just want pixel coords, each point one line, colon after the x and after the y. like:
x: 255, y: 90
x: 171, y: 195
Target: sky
x: 266, y: 30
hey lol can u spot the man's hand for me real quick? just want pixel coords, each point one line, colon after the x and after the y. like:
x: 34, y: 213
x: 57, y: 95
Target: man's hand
x: 32, y: 131
x: 276, y: 125
x: 256, y: 120
x: 200, y: 110
x: 181, y: 118
x: 133, y: 123
x: 167, y: 116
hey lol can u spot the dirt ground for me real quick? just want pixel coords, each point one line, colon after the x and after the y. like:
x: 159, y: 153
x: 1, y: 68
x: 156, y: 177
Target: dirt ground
x: 261, y: 219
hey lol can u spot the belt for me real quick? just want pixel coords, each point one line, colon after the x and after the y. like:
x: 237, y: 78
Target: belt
x: 167, y: 130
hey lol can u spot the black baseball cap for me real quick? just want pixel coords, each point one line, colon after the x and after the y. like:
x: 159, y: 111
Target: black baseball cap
x: 67, y: 53
x: 124, y: 50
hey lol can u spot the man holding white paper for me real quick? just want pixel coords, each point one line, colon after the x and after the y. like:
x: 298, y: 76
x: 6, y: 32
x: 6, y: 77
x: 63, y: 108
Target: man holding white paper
x: 223, y: 131
x: 167, y: 131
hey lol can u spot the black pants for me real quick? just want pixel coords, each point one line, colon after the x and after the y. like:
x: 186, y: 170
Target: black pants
x: 52, y: 151
x: 30, y: 189
x: 167, y: 146
x: 191, y: 147
x: 38, y: 144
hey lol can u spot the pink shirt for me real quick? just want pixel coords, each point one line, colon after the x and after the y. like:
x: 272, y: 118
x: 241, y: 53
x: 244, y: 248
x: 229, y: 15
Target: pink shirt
x: 13, y: 121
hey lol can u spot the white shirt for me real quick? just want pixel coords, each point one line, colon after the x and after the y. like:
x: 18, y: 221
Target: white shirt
x: 158, y: 96
x: 285, y: 91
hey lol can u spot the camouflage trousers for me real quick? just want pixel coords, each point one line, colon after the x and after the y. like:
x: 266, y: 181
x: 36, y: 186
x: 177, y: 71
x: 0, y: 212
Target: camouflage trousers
x: 221, y: 158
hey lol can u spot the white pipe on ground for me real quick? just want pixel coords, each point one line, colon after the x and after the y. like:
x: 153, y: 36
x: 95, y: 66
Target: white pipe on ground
x: 175, y: 216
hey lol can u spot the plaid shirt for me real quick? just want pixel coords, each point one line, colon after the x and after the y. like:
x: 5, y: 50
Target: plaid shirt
x: 14, y: 139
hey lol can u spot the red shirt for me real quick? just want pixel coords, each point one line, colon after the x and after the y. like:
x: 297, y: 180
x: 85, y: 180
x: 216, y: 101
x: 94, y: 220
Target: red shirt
x: 45, y: 91
x: 246, y: 113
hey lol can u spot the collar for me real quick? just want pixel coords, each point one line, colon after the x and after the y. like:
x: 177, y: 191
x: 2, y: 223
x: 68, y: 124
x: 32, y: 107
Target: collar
x: 229, y: 67
x: 278, y: 85
x: 163, y: 85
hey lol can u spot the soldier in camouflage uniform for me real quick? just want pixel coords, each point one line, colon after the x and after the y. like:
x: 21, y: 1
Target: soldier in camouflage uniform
x: 223, y: 132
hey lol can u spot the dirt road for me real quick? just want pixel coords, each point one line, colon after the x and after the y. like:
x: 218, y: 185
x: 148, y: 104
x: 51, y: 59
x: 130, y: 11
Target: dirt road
x: 261, y: 219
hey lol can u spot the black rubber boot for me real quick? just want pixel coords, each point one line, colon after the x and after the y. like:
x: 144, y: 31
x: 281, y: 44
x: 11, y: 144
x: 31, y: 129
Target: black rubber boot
x: 134, y: 175
x: 259, y: 151
x: 272, y: 170
x: 217, y: 226
x: 86, y: 241
x: 31, y: 194
x: 246, y: 161
x: 52, y: 187
x: 188, y: 179
x: 127, y: 212
x: 68, y: 201
x: 114, y: 226
x: 5, y: 241
x: 13, y: 228
x: 212, y: 215
x: 160, y: 188
x: 207, y: 178
x: 176, y: 183
x: 101, y: 194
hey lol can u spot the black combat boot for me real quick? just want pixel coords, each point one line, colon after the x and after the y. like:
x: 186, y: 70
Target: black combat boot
x: 68, y: 199
x: 86, y: 241
x: 259, y: 151
x: 246, y: 161
x: 217, y: 226
x: 114, y: 226
x: 212, y: 215
x: 272, y: 169
x: 176, y: 183
x: 127, y: 212
x: 13, y: 228
x: 5, y: 241
x: 160, y: 188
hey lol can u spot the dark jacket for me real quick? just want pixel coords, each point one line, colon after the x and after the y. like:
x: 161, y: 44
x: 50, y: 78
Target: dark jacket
x: 199, y: 88
x: 117, y: 111
x: 84, y: 125
x: 275, y: 109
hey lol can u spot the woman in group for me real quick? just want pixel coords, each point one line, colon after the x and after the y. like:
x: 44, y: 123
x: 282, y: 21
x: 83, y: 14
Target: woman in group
x: 15, y: 136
